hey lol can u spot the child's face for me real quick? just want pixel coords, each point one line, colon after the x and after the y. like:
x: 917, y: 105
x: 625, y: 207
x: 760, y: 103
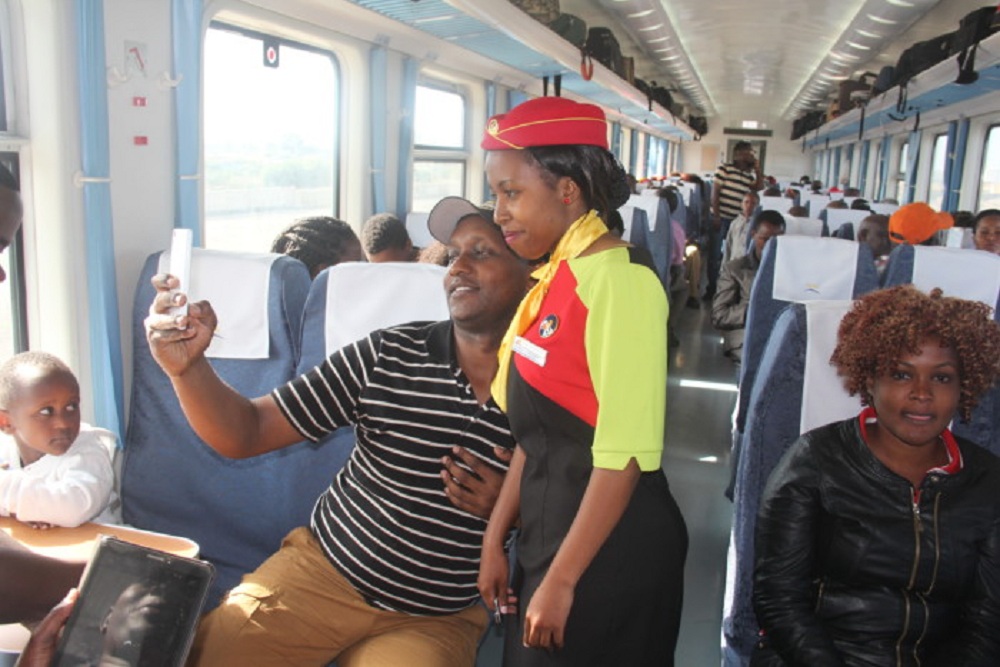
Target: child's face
x: 43, y: 415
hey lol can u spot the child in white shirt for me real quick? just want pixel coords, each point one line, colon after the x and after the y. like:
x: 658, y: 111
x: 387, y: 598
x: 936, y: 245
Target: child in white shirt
x: 54, y: 470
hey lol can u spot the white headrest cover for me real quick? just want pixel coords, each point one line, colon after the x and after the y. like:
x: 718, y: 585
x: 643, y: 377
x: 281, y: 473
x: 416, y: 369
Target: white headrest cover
x: 237, y: 285
x: 812, y: 269
x: 824, y: 399
x: 361, y: 298
x: 803, y: 226
x: 967, y: 274
x: 416, y: 227
x: 650, y: 205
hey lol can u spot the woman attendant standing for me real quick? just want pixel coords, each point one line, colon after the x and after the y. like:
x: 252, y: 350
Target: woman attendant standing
x: 878, y: 538
x: 583, y: 380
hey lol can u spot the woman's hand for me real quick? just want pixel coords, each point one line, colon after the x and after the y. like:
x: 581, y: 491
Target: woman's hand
x: 545, y: 619
x: 494, y: 572
x: 177, y: 341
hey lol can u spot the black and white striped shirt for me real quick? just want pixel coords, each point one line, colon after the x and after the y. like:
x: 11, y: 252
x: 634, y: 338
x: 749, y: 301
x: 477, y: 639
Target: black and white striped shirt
x: 734, y: 183
x: 385, y: 522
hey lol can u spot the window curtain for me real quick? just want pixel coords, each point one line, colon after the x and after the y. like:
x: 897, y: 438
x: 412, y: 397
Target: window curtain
x: 634, y: 153
x: 863, y: 156
x: 883, y: 167
x: 107, y: 392
x: 954, y: 167
x: 912, y: 160
x: 379, y: 64
x: 403, y: 172
x: 186, y: 30
x: 616, y: 140
x: 491, y: 110
x: 835, y: 176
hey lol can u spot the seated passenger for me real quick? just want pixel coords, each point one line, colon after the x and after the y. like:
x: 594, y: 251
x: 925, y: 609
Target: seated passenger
x: 837, y: 203
x: 772, y: 191
x: 964, y: 219
x: 917, y: 224
x: 729, y: 307
x: 739, y: 229
x: 319, y: 243
x: 385, y: 239
x: 435, y: 253
x: 54, y: 470
x: 798, y: 212
x: 986, y: 231
x: 878, y: 539
x: 852, y: 192
x: 860, y: 204
x: 874, y: 231
x: 389, y: 563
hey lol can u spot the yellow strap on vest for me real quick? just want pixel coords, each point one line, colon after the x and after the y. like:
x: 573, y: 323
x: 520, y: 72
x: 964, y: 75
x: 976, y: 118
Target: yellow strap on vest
x: 580, y: 235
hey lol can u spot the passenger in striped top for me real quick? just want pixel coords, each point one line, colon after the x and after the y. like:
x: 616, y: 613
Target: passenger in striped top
x: 731, y: 182
x: 386, y: 573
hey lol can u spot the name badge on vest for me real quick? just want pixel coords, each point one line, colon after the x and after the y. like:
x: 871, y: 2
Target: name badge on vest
x: 530, y: 351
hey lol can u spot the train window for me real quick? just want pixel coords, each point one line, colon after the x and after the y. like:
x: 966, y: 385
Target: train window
x: 989, y: 182
x: 439, y: 162
x: 902, y: 192
x: 271, y: 139
x: 936, y: 188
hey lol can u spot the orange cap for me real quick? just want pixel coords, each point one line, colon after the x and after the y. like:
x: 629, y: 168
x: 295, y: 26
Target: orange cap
x: 915, y: 223
x: 547, y: 121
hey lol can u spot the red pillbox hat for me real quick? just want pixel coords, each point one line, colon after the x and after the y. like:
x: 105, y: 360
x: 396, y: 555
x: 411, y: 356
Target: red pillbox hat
x: 547, y: 121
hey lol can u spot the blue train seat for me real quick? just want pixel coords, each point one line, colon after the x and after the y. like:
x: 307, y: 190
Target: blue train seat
x: 796, y: 269
x: 656, y: 237
x: 968, y: 274
x: 237, y: 510
x: 348, y: 301
x: 796, y: 390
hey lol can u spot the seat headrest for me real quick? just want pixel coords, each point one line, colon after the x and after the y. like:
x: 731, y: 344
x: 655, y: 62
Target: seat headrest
x: 810, y: 269
x: 361, y: 298
x: 967, y: 274
x: 824, y: 399
x: 238, y: 286
x: 803, y: 226
x: 416, y: 227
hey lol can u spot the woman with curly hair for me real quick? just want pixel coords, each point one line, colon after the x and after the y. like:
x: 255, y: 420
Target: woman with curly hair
x: 602, y: 543
x: 878, y: 537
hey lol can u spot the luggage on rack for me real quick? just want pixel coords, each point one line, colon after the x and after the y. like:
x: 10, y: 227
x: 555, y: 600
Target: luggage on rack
x: 846, y: 99
x: 628, y: 69
x: 699, y: 124
x: 922, y: 56
x: 885, y: 80
x: 973, y: 28
x: 603, y: 46
x: 543, y: 11
x: 660, y: 95
x: 571, y: 28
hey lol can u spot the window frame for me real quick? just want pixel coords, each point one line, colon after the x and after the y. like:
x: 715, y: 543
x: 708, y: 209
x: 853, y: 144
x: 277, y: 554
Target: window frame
x: 939, y: 137
x: 982, y: 163
x: 336, y: 149
x: 445, y: 154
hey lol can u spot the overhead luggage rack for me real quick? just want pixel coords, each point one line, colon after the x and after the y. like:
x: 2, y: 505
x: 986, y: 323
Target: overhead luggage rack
x: 502, y: 32
x: 929, y: 90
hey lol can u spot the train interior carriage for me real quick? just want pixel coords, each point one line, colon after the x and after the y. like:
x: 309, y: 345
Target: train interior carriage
x: 125, y: 119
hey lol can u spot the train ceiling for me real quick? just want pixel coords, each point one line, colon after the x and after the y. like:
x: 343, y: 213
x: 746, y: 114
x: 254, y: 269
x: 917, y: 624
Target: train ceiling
x: 767, y: 60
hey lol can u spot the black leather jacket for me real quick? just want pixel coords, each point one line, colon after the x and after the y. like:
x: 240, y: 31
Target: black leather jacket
x: 851, y: 571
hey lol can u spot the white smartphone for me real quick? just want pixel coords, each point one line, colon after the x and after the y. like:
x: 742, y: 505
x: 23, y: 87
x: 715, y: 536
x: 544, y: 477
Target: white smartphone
x: 180, y: 264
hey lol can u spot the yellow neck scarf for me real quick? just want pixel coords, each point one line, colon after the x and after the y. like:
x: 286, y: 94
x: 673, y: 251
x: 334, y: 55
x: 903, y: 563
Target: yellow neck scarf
x: 580, y: 235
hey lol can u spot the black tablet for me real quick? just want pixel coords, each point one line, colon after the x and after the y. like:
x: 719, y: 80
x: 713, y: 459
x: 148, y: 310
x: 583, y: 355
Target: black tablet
x: 137, y: 606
